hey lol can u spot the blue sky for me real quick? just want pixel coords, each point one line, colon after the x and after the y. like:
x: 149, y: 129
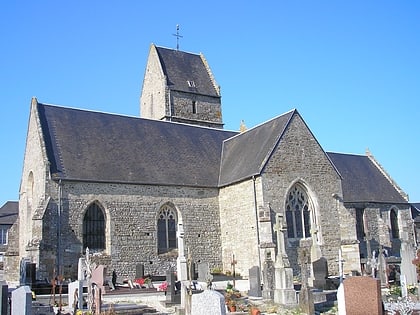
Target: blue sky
x: 351, y: 68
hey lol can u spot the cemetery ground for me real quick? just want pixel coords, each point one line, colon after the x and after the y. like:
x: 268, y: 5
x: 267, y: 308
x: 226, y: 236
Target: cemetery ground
x: 150, y: 299
x: 147, y: 301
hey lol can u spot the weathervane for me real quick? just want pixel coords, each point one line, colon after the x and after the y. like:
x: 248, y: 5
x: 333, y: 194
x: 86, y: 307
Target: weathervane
x: 177, y: 36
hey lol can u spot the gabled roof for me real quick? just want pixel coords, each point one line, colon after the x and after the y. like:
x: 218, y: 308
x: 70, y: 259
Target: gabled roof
x: 9, y: 213
x: 362, y: 181
x: 92, y: 146
x: 182, y: 67
x: 245, y: 155
x: 415, y: 212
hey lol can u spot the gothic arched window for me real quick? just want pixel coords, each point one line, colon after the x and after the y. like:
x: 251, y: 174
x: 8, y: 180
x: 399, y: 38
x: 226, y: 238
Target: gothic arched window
x: 166, y: 229
x: 298, y: 213
x: 395, y: 231
x: 94, y: 228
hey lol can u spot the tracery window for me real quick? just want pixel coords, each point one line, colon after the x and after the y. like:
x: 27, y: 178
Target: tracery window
x: 395, y: 231
x: 298, y: 213
x: 94, y: 228
x: 166, y: 229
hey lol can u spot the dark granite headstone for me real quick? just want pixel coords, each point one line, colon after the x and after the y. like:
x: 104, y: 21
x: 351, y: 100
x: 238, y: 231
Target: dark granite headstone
x: 254, y: 282
x: 4, y: 297
x: 30, y: 273
x: 139, y: 271
x: 173, y: 294
x: 320, y: 269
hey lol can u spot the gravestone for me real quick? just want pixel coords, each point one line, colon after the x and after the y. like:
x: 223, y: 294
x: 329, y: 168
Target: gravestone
x: 99, y: 276
x: 209, y: 302
x: 284, y: 292
x: 75, y: 294
x: 407, y: 267
x: 139, y: 271
x: 81, y: 269
x: 27, y: 272
x: 362, y: 295
x: 4, y: 297
x: 382, y: 267
x: 22, y: 301
x: 306, y: 299
x: 203, y: 271
x: 254, y: 282
x: 97, y: 298
x: 171, y: 296
x: 268, y: 277
x: 341, y: 302
x: 404, y: 290
x: 320, y: 270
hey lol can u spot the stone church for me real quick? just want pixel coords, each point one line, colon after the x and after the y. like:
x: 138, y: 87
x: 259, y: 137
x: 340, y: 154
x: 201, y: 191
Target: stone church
x: 150, y: 189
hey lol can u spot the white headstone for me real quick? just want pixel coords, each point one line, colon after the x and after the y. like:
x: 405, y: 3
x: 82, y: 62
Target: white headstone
x: 209, y: 302
x: 81, y: 269
x: 22, y: 301
x: 341, y: 302
x: 404, y: 291
x: 407, y: 267
x: 76, y: 294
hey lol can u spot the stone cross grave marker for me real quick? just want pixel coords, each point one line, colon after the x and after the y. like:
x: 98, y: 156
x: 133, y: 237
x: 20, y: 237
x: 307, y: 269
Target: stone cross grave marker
x: 88, y: 268
x: 281, y: 260
x: 382, y: 267
x: 284, y: 292
x: 268, y: 277
x: 306, y: 300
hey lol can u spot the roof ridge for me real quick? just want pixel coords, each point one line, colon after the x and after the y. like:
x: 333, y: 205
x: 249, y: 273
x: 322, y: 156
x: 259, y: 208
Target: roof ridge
x: 385, y: 173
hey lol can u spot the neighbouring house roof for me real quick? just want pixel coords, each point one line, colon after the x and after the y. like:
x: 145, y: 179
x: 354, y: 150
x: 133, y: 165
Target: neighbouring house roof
x: 181, y: 67
x: 415, y: 212
x: 9, y: 213
x: 362, y: 181
x: 92, y: 146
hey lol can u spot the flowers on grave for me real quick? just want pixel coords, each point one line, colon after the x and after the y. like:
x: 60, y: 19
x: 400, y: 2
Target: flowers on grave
x: 142, y: 281
x: 412, y: 288
x: 163, y: 286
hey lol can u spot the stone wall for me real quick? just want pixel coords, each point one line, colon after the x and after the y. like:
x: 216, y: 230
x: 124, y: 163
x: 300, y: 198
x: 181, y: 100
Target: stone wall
x: 153, y: 97
x: 299, y: 158
x: 131, y: 233
x: 239, y: 228
x: 208, y: 109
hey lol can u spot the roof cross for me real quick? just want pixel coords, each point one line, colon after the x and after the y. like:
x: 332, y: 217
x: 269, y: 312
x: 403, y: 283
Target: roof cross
x: 177, y: 36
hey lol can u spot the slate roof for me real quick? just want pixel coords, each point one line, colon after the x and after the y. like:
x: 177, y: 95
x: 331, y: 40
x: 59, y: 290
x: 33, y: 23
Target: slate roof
x: 9, y: 213
x: 180, y: 67
x: 415, y: 212
x: 92, y: 146
x: 362, y: 181
x: 99, y: 147
x: 247, y: 153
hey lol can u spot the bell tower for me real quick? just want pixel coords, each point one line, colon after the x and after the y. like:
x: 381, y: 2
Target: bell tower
x: 180, y: 87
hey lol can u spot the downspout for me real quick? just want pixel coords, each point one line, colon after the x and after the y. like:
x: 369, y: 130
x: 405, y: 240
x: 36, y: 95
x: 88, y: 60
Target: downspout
x: 59, y: 230
x: 257, y: 222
